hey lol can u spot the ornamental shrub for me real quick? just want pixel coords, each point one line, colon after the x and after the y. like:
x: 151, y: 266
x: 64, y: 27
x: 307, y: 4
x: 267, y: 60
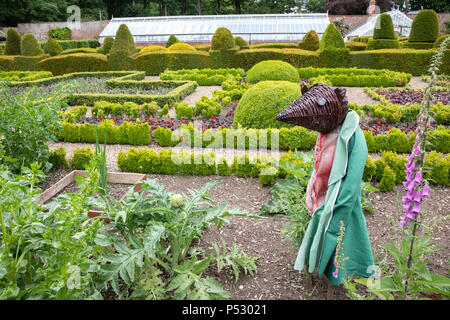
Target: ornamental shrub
x: 387, y: 182
x: 172, y: 40
x: 384, y: 29
x: 223, y: 169
x: 154, y: 48
x: 310, y: 41
x: 438, y: 41
x: 222, y: 39
x: 380, y: 165
x: 60, y: 33
x: 81, y: 157
x: 181, y: 47
x: 30, y: 46
x: 272, y: 70
x: 123, y: 48
x: 261, y: 103
x: 184, y: 110
x: 76, y: 62
x: 331, y: 39
x: 425, y: 27
x: 356, y: 46
x: 52, y: 47
x: 440, y: 168
x: 107, y: 45
x: 58, y: 158
x: 369, y: 170
x: 376, y: 44
x: 13, y: 43
x: 239, y: 41
x: 397, y: 164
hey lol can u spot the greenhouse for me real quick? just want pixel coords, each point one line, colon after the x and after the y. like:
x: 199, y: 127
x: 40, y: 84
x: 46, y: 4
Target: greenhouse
x: 198, y: 29
x: 401, y: 22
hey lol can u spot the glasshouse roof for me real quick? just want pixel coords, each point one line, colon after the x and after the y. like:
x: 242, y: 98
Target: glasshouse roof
x: 264, y: 27
x: 401, y: 22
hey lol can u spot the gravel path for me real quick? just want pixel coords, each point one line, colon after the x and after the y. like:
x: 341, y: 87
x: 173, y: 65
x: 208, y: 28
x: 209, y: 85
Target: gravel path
x: 200, y: 92
x: 357, y: 95
x: 417, y: 83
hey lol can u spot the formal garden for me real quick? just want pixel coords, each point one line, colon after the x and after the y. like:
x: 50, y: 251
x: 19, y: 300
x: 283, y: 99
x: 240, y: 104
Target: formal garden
x: 161, y: 172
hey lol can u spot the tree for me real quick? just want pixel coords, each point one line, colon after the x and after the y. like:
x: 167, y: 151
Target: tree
x: 341, y: 7
x: 436, y: 5
x: 315, y: 5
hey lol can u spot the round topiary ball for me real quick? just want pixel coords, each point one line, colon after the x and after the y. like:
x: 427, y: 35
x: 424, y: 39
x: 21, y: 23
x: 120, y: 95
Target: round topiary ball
x: 30, y: 46
x: 384, y: 29
x: 425, y: 27
x: 222, y: 39
x: 261, y: 103
x: 272, y: 70
x: 12, y: 46
x: 181, y: 47
x: 331, y: 39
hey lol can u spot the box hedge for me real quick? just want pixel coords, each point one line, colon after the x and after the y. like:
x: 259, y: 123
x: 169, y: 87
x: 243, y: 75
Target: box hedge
x: 310, y: 41
x: 13, y: 42
x: 30, y: 46
x: 272, y: 70
x: 384, y: 29
x: 76, y: 62
x: 81, y: 157
x: 425, y: 27
x: 222, y: 39
x: 7, y: 63
x: 246, y: 59
x: 376, y: 44
x: 52, y: 47
x: 27, y: 63
x: 154, y: 63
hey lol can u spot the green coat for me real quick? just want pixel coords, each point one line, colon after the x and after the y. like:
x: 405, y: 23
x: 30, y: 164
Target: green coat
x: 343, y: 202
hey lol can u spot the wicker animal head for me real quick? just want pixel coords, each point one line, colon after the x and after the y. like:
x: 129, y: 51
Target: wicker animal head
x: 321, y: 108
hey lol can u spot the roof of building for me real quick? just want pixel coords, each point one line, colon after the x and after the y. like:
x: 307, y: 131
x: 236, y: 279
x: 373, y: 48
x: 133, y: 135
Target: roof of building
x: 401, y: 22
x: 257, y: 27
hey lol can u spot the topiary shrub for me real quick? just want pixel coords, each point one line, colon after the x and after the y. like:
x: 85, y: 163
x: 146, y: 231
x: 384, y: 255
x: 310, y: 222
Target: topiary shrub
x: 331, y: 39
x: 58, y: 158
x: 239, y: 41
x: 123, y: 48
x: 154, y: 48
x: 12, y: 47
x: 272, y: 70
x: 30, y: 46
x: 77, y: 62
x: 172, y: 40
x: 356, y: 46
x: 425, y: 27
x: 261, y: 103
x: 52, y: 47
x: 107, y: 45
x: 376, y: 44
x: 387, y: 182
x: 438, y: 41
x: 310, y: 41
x: 222, y: 39
x: 181, y: 47
x: 384, y: 29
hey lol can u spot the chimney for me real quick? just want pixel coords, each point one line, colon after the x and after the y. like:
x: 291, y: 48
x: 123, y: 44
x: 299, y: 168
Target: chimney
x: 372, y: 7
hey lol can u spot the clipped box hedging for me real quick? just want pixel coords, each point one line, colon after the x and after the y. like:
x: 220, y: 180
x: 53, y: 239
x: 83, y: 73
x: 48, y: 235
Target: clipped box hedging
x: 7, y: 63
x: 276, y: 45
x: 154, y: 63
x: 137, y: 134
x: 376, y: 44
x: 24, y: 75
x: 411, y: 61
x: 204, y: 77
x: 418, y: 45
x: 356, y: 46
x: 246, y: 59
x: 76, y: 62
x: 223, y: 58
x: 334, y: 57
x: 28, y: 63
x: 73, y: 44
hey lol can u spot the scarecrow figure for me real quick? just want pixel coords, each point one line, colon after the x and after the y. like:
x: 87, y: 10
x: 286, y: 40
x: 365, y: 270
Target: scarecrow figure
x: 334, y: 189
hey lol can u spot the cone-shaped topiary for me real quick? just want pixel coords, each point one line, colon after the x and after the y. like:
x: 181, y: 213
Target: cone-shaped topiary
x: 425, y: 27
x: 30, y: 46
x: 181, y: 46
x: 222, y: 39
x: 52, y: 47
x: 107, y: 45
x: 384, y: 29
x: 272, y: 70
x: 239, y: 41
x: 261, y: 103
x: 123, y: 48
x: 331, y: 39
x: 12, y: 47
x: 172, y: 40
x: 310, y: 41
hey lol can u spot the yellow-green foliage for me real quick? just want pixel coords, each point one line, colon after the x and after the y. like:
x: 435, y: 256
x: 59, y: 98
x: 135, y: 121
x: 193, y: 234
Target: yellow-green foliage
x: 81, y: 157
x: 439, y: 166
x: 154, y: 48
x: 52, y: 47
x: 179, y: 46
x: 58, y: 158
x: 154, y: 63
x: 356, y: 46
x: 12, y: 46
x: 331, y: 39
x: 239, y: 41
x: 107, y: 45
x: 387, y: 182
x: 425, y: 27
x: 76, y: 62
x: 222, y: 39
x: 310, y: 41
x: 272, y: 70
x: 369, y: 170
x: 261, y: 103
x: 441, y: 38
x: 30, y: 46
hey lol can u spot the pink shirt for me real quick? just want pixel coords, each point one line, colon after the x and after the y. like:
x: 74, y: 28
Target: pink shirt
x: 316, y: 191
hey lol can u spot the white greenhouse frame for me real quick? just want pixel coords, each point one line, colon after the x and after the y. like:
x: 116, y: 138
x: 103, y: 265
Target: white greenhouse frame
x: 402, y: 25
x: 253, y: 28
